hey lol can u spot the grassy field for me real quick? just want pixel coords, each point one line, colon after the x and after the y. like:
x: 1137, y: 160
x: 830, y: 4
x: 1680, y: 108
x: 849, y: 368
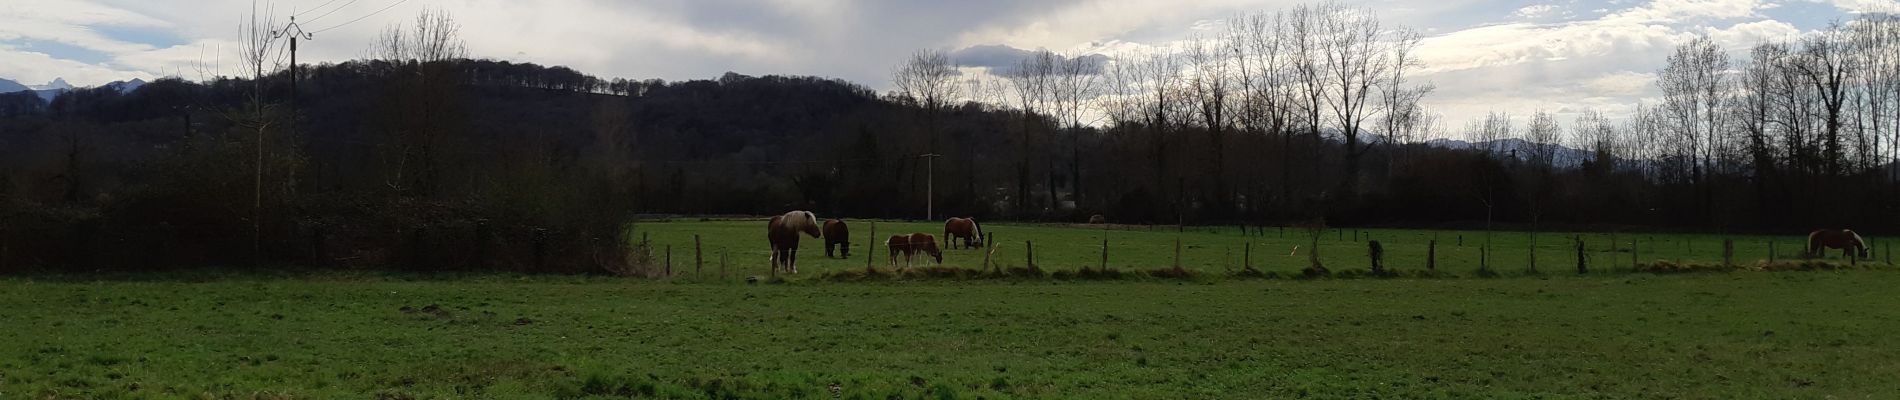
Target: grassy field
x: 1221, y: 249
x: 1715, y: 336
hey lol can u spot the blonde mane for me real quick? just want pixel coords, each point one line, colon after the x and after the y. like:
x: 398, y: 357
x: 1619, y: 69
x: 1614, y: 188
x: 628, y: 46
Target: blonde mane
x: 801, y: 221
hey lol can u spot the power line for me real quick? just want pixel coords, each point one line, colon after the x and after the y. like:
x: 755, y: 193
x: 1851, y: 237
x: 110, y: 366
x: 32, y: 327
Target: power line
x: 333, y: 10
x: 393, y: 5
x: 318, y: 7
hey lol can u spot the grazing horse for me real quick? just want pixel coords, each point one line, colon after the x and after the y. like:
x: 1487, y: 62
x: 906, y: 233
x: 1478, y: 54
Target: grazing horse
x: 899, y: 244
x: 925, y: 243
x: 1850, y: 243
x: 1097, y: 219
x: 963, y: 228
x: 837, y: 234
x: 783, y: 232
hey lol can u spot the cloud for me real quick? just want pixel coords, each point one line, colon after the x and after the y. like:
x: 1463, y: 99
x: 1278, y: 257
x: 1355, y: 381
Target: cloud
x: 1002, y: 59
x: 1481, y: 54
x: 1606, y: 63
x: 1863, y: 6
x: 1535, y: 11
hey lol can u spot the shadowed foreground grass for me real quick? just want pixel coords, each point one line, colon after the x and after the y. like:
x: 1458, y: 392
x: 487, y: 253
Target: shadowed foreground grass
x: 1722, y: 335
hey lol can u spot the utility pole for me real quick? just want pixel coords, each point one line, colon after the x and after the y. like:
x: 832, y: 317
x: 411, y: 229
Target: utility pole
x: 930, y: 186
x: 298, y: 34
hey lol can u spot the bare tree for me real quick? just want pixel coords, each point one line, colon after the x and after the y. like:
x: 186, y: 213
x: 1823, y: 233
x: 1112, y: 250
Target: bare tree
x: 1593, y: 132
x: 434, y: 37
x: 1075, y: 86
x: 928, y: 78
x: 1695, y: 90
x: 1207, y: 86
x: 1033, y: 82
x: 1355, y: 55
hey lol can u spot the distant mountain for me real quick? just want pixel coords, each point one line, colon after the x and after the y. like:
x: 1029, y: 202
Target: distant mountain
x: 1562, y: 157
x: 8, y: 86
x: 126, y: 86
x: 56, y: 84
x: 49, y: 94
x: 53, y: 89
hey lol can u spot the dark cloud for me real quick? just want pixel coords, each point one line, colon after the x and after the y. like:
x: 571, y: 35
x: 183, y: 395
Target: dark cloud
x: 1003, y: 59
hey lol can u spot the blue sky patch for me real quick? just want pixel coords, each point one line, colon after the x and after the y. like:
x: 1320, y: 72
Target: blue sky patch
x: 157, y: 37
x: 61, y: 50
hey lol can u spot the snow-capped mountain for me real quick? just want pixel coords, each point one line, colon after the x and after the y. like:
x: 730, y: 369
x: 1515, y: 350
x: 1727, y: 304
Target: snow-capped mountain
x: 126, y: 86
x: 1561, y: 156
x: 56, y: 84
x: 53, y: 89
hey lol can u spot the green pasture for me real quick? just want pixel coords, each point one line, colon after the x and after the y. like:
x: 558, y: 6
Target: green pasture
x: 1812, y: 334
x: 1219, y: 249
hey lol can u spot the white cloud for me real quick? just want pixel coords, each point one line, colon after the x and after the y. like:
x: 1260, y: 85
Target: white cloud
x: 1863, y: 6
x: 1535, y: 11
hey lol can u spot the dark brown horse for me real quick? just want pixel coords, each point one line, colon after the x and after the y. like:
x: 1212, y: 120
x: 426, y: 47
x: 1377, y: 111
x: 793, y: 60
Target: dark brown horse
x: 899, y: 244
x: 1850, y: 243
x: 965, y: 229
x: 836, y: 234
x: 783, y: 232
x: 924, y: 243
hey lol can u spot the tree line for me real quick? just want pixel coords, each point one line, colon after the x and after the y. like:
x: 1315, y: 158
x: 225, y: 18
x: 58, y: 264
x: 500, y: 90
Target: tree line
x: 419, y: 156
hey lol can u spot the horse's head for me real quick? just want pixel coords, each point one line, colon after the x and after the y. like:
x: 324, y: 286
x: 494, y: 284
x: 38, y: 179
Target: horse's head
x: 978, y: 227
x: 811, y: 225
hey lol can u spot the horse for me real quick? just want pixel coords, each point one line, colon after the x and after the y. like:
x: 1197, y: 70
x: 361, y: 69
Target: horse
x: 963, y: 228
x: 899, y: 244
x: 925, y: 243
x: 1097, y: 219
x: 783, y: 232
x: 1850, y: 243
x: 839, y: 235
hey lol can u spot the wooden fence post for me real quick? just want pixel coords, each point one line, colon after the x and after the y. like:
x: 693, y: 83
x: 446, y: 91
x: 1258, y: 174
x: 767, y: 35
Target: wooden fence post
x: 1246, y: 257
x: 1636, y: 260
x: 873, y: 249
x: 1533, y: 253
x: 669, y: 261
x: 1431, y: 255
x: 1484, y: 258
x: 986, y: 256
x: 1887, y: 249
x: 1105, y: 249
x: 698, y: 262
x: 1377, y: 253
x: 1582, y: 263
x: 1029, y: 253
x: 1771, y: 251
x: 1728, y: 252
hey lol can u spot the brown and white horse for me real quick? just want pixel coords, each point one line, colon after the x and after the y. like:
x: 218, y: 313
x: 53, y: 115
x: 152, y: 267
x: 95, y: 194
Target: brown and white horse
x: 836, y: 234
x: 899, y: 244
x: 1850, y: 243
x: 965, y: 229
x: 923, y: 242
x: 783, y: 232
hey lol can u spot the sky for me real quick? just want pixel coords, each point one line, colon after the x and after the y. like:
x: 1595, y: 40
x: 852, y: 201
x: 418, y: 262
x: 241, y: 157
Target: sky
x: 1511, y: 56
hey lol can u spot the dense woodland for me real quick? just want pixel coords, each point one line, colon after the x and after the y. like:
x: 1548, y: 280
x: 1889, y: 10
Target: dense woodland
x: 424, y: 158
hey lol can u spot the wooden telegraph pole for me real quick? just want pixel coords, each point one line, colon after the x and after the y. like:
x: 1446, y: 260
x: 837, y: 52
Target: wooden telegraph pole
x: 930, y: 186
